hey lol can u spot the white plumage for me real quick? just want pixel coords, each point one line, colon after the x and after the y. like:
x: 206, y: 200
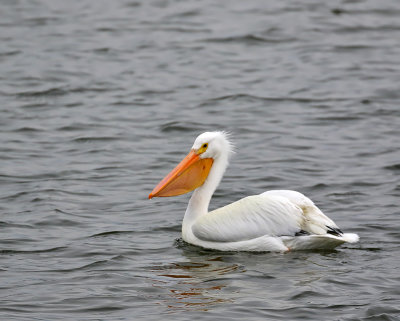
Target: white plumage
x: 278, y: 220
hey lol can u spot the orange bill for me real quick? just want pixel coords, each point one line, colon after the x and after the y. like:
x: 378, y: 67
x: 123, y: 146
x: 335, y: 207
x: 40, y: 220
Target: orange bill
x: 191, y: 173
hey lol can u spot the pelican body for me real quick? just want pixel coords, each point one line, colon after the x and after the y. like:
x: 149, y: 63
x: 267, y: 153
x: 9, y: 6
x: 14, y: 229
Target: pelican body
x: 277, y: 220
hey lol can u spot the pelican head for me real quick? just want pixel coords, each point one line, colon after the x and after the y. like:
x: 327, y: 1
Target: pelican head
x: 212, y: 145
x: 194, y: 169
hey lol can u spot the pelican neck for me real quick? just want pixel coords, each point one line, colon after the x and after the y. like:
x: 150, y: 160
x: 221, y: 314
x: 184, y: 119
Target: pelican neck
x: 201, y: 197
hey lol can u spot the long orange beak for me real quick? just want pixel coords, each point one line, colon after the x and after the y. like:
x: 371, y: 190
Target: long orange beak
x: 191, y: 173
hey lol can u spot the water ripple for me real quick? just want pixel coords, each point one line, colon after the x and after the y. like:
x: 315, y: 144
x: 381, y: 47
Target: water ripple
x: 93, y: 96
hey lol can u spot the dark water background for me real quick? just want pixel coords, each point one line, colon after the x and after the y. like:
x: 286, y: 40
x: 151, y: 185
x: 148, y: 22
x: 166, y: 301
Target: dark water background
x: 100, y: 99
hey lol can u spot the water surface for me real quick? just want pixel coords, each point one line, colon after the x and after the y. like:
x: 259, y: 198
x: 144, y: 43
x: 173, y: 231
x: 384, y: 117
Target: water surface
x: 99, y: 100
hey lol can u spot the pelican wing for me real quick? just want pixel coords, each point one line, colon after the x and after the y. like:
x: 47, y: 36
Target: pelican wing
x: 315, y: 222
x: 249, y: 218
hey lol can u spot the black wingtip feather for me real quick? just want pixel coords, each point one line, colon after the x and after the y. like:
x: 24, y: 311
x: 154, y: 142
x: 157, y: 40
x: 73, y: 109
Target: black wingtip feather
x: 301, y: 233
x: 334, y: 231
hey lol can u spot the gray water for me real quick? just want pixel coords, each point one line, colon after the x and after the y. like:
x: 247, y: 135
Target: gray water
x: 100, y: 99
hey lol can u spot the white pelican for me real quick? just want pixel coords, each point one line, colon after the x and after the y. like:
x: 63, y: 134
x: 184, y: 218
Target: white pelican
x: 277, y: 220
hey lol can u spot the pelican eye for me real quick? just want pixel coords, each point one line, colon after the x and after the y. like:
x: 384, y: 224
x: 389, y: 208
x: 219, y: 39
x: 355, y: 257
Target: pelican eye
x: 203, y: 148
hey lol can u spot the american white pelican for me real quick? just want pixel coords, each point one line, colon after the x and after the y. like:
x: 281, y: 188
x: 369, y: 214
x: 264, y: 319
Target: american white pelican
x: 277, y: 220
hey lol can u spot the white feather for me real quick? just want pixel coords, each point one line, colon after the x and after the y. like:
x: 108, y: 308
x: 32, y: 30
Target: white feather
x: 266, y: 222
x: 249, y: 218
